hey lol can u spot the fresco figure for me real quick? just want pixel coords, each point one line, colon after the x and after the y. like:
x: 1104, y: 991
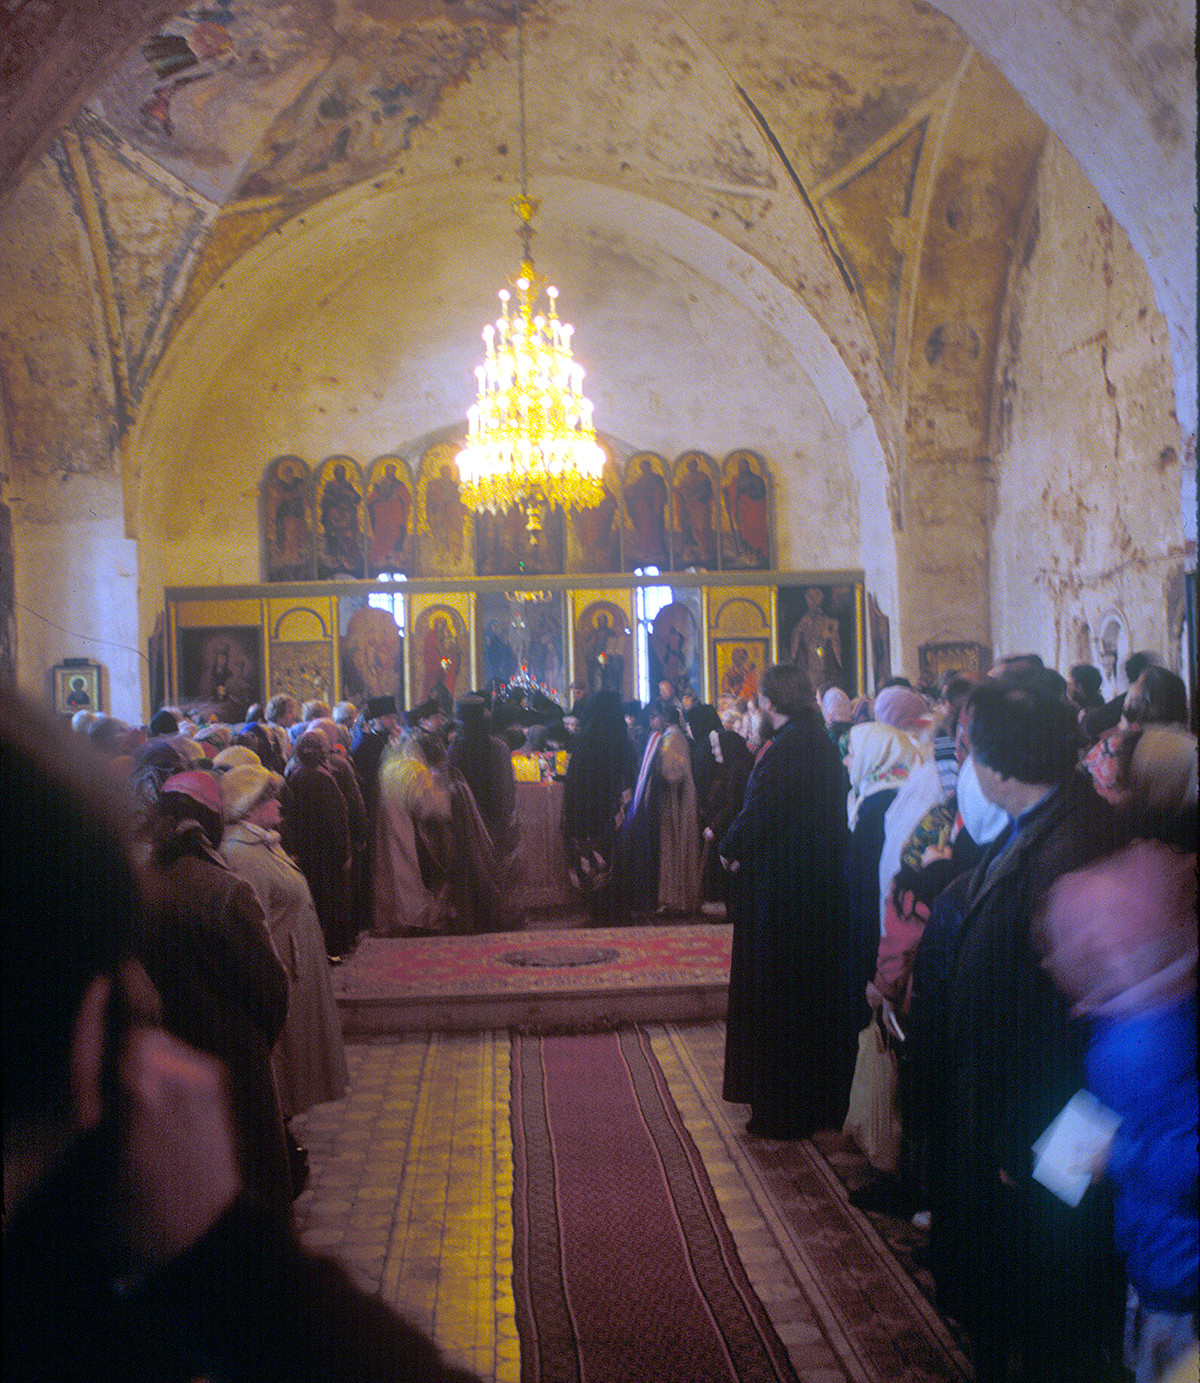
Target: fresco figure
x: 595, y: 530
x: 673, y: 646
x: 646, y: 501
x: 603, y: 649
x: 742, y: 678
x: 228, y: 676
x: 389, y: 506
x: 446, y: 516
x: 78, y: 698
x: 694, y: 495
x: 746, y: 505
x: 341, y: 525
x: 289, y: 530
x: 500, y: 659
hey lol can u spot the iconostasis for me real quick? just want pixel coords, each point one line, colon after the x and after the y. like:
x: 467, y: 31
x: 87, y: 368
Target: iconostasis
x: 378, y: 581
x: 233, y: 647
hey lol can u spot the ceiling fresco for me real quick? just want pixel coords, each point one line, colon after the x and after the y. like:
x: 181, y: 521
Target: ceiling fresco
x: 199, y: 94
x: 861, y: 151
x: 260, y: 100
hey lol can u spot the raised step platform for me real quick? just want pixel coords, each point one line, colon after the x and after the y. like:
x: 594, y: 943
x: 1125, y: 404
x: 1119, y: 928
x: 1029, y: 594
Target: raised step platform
x: 563, y: 979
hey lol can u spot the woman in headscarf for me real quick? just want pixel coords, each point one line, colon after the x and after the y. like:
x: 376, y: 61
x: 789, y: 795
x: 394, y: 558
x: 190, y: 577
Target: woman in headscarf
x: 337, y: 738
x: 902, y: 709
x: 1157, y: 697
x: 213, y: 738
x: 838, y: 711
x: 861, y: 713
x: 599, y: 785
x: 156, y: 761
x: 223, y: 990
x: 309, y: 1060
x: 879, y: 761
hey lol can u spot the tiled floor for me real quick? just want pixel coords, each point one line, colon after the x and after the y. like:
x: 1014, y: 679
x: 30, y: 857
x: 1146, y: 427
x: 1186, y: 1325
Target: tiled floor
x: 412, y: 1183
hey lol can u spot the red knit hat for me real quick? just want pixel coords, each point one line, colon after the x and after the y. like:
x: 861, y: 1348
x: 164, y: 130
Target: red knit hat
x: 201, y: 787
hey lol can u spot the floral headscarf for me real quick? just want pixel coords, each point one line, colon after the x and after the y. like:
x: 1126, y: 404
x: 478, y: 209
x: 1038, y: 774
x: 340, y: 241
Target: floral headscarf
x: 880, y: 758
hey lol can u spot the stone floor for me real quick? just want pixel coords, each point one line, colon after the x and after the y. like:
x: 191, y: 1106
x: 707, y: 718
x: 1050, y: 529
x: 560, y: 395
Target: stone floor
x: 411, y: 1188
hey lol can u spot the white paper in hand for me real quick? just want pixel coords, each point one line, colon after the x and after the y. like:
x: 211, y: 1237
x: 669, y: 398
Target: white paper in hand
x: 1074, y: 1144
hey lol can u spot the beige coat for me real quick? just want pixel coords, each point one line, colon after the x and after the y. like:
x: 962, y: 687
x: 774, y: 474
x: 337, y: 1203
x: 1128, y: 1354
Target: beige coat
x: 309, y: 1060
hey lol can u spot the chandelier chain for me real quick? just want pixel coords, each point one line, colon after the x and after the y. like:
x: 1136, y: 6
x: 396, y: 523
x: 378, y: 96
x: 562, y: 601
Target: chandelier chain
x: 530, y: 440
x: 521, y: 96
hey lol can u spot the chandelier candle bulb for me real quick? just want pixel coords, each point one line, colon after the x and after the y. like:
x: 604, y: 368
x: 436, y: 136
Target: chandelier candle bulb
x: 529, y: 434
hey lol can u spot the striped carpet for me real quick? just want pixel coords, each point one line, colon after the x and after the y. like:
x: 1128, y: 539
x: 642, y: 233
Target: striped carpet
x: 445, y: 1180
x: 623, y: 1265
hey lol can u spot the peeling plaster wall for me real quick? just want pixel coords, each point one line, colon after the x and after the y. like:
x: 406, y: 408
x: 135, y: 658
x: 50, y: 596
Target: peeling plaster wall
x: 77, y: 589
x: 1117, y: 84
x: 1085, y: 437
x: 74, y: 571
x: 54, y: 358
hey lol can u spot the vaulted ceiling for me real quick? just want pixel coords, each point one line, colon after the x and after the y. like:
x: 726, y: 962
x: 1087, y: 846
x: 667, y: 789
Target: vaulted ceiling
x: 865, y: 156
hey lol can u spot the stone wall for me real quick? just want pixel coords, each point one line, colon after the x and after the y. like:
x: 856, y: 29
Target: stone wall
x: 1087, y: 530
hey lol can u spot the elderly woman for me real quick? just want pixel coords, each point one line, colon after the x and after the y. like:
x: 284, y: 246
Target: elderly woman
x: 309, y: 1060
x: 879, y: 761
x: 1157, y: 697
x: 223, y: 990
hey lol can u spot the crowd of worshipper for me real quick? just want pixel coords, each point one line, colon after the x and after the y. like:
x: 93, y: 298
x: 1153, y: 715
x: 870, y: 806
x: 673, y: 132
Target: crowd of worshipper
x: 958, y: 913
x: 167, y: 1008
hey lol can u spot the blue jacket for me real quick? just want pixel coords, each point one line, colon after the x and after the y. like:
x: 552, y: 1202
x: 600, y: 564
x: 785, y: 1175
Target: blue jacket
x: 1144, y: 1068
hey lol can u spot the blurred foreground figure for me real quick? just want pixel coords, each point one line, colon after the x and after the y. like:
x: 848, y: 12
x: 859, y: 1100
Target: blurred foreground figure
x: 1034, y: 1280
x: 130, y: 1249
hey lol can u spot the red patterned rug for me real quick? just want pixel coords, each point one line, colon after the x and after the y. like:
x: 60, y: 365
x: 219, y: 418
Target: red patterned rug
x: 599, y: 959
x: 623, y: 1266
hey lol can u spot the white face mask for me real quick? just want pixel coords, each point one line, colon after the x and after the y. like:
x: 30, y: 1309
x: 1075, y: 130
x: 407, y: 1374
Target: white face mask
x: 983, y: 819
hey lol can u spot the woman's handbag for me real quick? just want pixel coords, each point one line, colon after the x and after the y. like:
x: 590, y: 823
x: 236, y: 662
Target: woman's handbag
x: 872, y: 1120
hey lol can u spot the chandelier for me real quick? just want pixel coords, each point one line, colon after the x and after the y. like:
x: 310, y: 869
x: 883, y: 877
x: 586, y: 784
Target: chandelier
x: 529, y: 434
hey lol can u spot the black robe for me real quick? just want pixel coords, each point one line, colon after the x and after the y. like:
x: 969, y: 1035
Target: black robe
x: 1019, y: 1267
x: 790, y: 841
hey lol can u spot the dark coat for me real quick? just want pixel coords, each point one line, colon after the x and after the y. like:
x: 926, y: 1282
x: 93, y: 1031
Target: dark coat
x: 790, y: 841
x: 321, y: 834
x: 365, y: 758
x: 1014, y: 1263
x: 718, y: 810
x: 223, y: 990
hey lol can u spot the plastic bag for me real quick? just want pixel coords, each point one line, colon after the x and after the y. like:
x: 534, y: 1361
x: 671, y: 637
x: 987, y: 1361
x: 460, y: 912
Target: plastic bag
x: 872, y: 1120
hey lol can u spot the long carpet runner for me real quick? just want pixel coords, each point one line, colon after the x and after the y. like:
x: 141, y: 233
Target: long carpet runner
x: 623, y: 1266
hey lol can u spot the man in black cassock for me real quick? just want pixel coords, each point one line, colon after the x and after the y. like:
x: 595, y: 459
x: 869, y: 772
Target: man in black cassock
x: 786, y: 849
